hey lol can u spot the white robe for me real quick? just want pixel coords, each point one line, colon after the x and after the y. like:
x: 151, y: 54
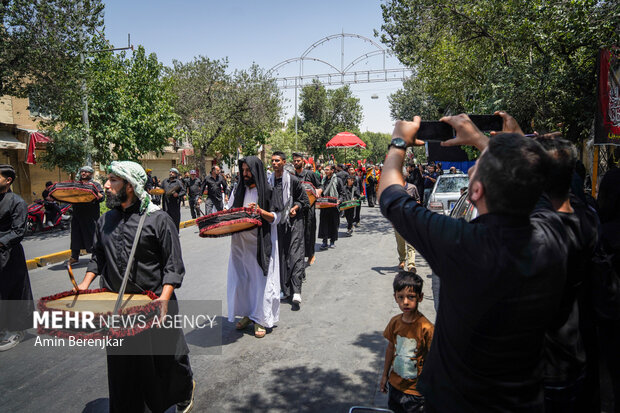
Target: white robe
x: 250, y: 293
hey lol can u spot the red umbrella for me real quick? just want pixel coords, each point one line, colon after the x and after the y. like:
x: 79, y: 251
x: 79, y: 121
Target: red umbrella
x: 345, y: 140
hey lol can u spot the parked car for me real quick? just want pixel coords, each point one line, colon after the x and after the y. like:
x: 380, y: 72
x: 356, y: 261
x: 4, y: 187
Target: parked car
x: 446, y: 192
x: 464, y: 209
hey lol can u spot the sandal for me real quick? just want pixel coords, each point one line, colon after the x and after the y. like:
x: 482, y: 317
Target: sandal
x: 245, y: 321
x: 259, y: 331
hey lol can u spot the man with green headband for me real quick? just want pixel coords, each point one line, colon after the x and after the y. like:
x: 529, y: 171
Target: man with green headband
x: 144, y: 382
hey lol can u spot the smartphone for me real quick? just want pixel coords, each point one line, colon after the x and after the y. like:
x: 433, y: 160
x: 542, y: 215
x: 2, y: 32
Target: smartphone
x: 435, y: 131
x: 487, y: 123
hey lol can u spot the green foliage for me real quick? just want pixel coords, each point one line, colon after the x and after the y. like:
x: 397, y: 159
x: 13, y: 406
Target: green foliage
x: 286, y: 141
x: 324, y: 113
x: 40, y: 44
x: 535, y: 59
x: 67, y: 149
x: 376, y: 147
x: 129, y: 107
x: 220, y: 111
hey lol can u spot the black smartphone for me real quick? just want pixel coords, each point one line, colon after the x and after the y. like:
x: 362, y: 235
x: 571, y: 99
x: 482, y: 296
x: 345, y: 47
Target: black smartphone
x: 488, y: 123
x: 435, y: 131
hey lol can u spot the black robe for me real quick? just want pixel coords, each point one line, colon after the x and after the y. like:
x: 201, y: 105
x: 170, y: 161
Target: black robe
x: 330, y: 217
x: 160, y: 375
x: 291, y: 237
x: 83, y: 220
x: 172, y: 204
x: 310, y: 214
x: 263, y: 249
x: 16, y: 304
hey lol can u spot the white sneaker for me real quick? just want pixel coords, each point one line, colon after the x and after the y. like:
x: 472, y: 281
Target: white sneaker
x: 11, y: 339
x: 297, y: 298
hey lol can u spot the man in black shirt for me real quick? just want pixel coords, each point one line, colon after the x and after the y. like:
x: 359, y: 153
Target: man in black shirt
x: 306, y: 175
x: 52, y: 210
x: 564, y: 353
x: 215, y: 185
x: 153, y: 371
x: 84, y: 217
x: 16, y: 303
x: 193, y: 186
x: 289, y: 197
x: 174, y: 193
x: 360, y: 189
x: 502, y: 274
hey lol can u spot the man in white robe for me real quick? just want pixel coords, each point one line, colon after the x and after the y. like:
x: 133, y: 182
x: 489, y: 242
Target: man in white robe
x: 253, y: 267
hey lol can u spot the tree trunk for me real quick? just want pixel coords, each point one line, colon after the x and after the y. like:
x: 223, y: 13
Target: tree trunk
x: 202, y: 162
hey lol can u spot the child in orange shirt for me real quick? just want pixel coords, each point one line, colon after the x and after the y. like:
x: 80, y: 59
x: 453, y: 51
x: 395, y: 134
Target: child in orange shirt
x: 409, y: 335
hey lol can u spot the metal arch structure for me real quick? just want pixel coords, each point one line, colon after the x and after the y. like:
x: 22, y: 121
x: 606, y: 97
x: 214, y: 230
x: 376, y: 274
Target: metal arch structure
x: 344, y: 75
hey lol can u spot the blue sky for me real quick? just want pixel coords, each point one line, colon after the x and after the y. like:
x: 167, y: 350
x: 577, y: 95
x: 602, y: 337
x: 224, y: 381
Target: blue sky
x: 265, y: 32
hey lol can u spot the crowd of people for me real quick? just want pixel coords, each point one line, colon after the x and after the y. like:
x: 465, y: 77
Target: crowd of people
x: 529, y: 303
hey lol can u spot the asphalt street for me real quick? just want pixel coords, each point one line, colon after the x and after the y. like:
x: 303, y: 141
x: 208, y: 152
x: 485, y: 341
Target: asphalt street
x: 49, y: 242
x: 326, y: 357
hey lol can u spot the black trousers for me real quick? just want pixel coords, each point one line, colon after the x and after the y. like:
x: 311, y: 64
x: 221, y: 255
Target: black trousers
x: 151, y: 371
x: 371, y: 196
x: 291, y: 250
x: 194, y: 207
x: 328, y: 226
x: 349, y: 214
x: 309, y: 231
x: 356, y: 216
x: 400, y: 402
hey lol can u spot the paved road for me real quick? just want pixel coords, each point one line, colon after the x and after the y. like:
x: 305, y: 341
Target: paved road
x: 324, y: 358
x: 44, y: 243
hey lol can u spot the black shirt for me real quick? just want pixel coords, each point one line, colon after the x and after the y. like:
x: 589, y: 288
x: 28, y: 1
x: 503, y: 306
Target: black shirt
x: 564, y: 353
x: 194, y: 187
x: 158, y: 258
x: 215, y: 187
x: 501, y: 283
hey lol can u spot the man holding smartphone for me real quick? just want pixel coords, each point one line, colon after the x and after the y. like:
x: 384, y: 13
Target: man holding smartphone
x: 502, y: 274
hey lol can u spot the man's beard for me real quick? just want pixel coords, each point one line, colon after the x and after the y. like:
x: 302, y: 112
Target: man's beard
x: 249, y: 181
x: 113, y: 201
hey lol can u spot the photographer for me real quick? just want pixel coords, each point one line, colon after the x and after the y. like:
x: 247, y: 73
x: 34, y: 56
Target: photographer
x: 502, y: 274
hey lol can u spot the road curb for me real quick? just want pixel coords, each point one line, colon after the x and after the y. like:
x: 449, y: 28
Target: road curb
x: 61, y: 256
x: 186, y: 224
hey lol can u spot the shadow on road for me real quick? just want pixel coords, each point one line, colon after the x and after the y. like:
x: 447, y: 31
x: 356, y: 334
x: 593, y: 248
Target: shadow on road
x: 102, y: 405
x: 316, y: 389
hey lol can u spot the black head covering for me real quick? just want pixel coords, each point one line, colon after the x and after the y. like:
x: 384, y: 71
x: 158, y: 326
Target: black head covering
x: 7, y: 171
x: 263, y: 250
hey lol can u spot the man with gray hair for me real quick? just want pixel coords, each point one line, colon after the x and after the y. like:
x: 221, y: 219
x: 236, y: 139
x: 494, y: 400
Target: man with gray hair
x: 84, y: 218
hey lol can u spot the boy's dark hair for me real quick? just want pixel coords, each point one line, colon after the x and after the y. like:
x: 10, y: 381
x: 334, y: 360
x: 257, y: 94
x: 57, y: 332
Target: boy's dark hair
x: 297, y: 155
x: 408, y: 279
x: 49, y: 183
x: 280, y: 154
x: 513, y: 170
x: 563, y: 158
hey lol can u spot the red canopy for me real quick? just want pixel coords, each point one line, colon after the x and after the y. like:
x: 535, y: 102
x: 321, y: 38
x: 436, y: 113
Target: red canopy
x: 345, y: 140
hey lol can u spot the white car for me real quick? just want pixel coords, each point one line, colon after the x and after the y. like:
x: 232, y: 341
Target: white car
x: 446, y: 192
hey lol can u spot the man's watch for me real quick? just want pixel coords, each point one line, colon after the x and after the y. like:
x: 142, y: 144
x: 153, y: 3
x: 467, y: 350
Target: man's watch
x: 398, y: 143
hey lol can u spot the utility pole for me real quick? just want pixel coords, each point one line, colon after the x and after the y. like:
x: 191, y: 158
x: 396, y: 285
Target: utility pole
x: 88, y: 143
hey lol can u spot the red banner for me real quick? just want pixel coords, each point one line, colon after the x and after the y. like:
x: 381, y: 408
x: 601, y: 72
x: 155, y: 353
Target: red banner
x: 607, y: 125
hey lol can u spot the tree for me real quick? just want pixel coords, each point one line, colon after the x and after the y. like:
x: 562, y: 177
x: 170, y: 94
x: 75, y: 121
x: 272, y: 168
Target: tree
x: 324, y: 113
x: 535, y: 59
x: 376, y: 146
x: 221, y: 112
x: 130, y: 112
x: 40, y: 46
